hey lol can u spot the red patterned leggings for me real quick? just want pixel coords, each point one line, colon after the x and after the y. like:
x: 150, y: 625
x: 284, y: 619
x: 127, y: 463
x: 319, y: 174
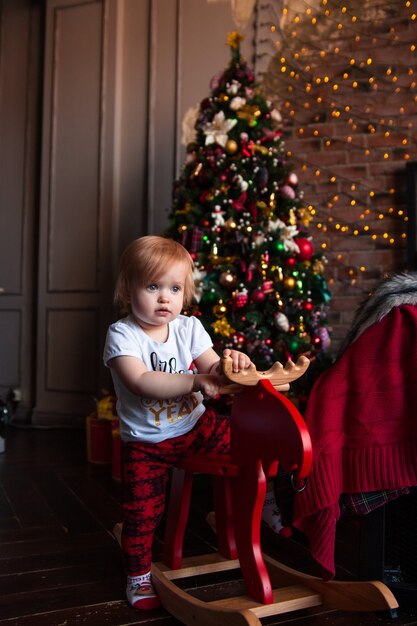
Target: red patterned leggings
x: 146, y: 469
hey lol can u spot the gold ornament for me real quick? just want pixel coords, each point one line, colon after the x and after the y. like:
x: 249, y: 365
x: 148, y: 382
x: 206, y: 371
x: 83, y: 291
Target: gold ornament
x: 318, y: 266
x: 231, y: 146
x: 264, y: 209
x: 227, y: 279
x: 290, y: 282
x: 220, y: 309
x: 249, y: 113
x: 233, y: 39
x: 292, y: 218
x: 255, y: 147
x: 198, y: 169
x: 222, y: 327
x: 305, y: 217
x: 187, y: 208
x: 222, y: 260
x: 230, y: 223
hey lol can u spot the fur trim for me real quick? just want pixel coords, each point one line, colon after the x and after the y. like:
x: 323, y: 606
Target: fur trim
x: 392, y: 292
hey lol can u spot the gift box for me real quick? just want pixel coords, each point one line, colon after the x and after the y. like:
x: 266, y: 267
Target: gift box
x: 116, y: 454
x: 99, y: 440
x: 103, y: 436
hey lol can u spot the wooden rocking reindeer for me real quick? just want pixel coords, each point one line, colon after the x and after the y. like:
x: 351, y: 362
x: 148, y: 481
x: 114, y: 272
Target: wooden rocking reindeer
x: 266, y: 431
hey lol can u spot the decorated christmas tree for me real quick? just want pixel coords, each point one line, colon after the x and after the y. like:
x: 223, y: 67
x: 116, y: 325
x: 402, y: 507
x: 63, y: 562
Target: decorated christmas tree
x: 238, y: 210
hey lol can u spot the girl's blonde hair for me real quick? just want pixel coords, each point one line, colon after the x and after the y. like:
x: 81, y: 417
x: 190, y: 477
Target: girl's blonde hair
x: 144, y: 261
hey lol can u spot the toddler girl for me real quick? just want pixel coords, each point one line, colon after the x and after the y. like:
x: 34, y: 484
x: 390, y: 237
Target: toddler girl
x: 163, y: 365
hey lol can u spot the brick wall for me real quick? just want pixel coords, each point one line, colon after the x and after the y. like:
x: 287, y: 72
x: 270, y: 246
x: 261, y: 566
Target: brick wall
x: 346, y: 87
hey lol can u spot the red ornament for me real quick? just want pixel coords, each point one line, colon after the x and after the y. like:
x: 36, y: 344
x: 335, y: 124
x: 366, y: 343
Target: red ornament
x: 306, y: 248
x: 239, y: 203
x: 238, y: 338
x: 240, y: 299
x: 268, y: 286
x: 258, y: 295
x: 317, y: 342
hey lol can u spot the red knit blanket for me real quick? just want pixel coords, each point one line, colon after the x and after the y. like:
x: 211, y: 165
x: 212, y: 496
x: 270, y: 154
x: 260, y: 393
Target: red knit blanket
x: 362, y: 417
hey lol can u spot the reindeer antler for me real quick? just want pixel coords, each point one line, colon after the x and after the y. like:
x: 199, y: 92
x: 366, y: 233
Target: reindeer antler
x: 277, y: 374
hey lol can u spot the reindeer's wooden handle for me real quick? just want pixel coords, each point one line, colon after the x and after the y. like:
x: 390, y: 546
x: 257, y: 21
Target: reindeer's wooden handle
x: 277, y: 374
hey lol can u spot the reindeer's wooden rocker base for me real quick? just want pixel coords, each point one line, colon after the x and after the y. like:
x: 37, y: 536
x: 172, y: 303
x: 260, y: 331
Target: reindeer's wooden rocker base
x: 266, y: 430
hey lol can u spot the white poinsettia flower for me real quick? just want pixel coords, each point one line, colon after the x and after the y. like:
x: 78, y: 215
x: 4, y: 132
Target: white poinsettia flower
x: 273, y: 225
x: 233, y: 87
x: 217, y: 130
x: 237, y: 103
x: 291, y: 246
x: 287, y: 235
x: 189, y: 133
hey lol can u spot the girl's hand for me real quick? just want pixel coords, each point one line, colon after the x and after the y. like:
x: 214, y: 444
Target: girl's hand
x: 208, y: 384
x: 240, y: 360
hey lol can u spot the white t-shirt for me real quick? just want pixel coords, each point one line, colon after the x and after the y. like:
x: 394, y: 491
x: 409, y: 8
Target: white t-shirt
x: 147, y: 419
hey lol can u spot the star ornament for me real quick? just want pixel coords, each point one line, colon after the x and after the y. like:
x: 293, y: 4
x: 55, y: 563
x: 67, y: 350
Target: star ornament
x: 217, y: 130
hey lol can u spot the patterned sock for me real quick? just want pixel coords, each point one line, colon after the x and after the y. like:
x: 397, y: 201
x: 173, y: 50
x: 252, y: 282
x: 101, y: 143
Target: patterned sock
x: 140, y: 592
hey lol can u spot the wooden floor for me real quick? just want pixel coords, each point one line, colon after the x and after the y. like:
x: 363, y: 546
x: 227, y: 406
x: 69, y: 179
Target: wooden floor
x: 59, y: 562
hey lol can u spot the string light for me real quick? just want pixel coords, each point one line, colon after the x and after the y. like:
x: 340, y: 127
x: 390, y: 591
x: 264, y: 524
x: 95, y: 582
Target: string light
x: 341, y: 101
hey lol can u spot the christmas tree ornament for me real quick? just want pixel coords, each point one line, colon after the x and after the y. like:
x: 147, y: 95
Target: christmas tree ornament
x: 318, y: 266
x: 258, y: 295
x: 290, y: 283
x: 230, y: 223
x: 231, y: 146
x: 237, y: 102
x: 281, y: 321
x: 220, y: 309
x: 240, y: 299
x: 287, y: 192
x: 249, y: 113
x: 222, y: 327
x: 292, y: 179
x: 268, y: 287
x: 227, y: 279
x: 258, y: 238
x: 305, y: 248
x: 294, y: 345
x: 217, y: 130
x: 323, y: 335
x: 189, y: 134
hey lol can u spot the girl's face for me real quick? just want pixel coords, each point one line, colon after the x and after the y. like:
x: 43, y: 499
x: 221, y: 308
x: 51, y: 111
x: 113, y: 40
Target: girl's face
x: 158, y: 303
